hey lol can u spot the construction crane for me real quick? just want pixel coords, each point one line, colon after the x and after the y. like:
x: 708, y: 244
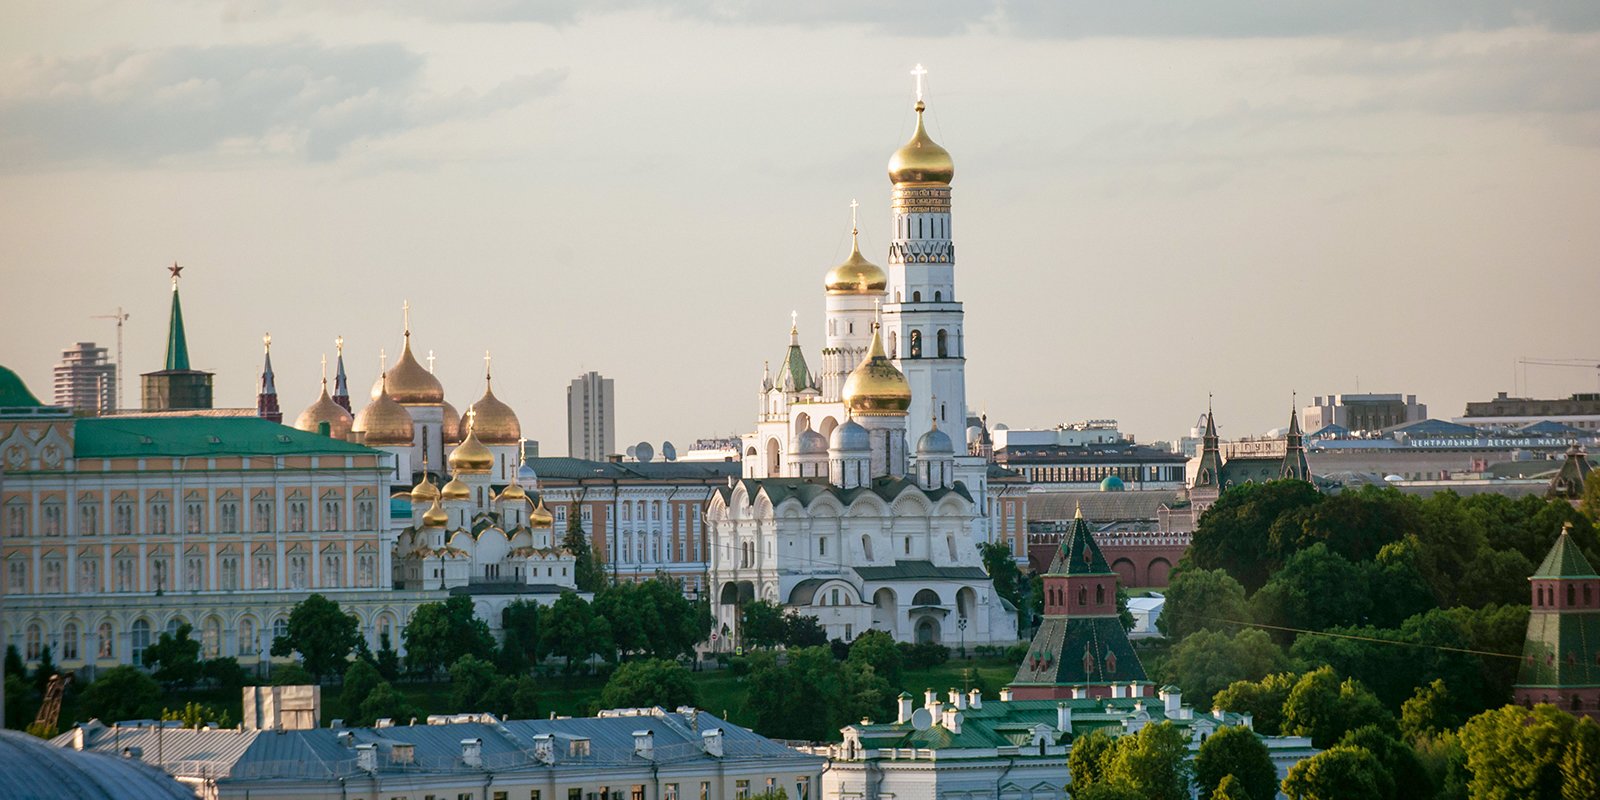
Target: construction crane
x: 50, y: 709
x: 1581, y: 363
x: 120, y: 317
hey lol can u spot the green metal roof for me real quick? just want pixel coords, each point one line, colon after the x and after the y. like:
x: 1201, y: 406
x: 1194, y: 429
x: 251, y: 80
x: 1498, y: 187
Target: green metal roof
x: 1012, y: 723
x: 14, y: 393
x: 1562, y: 650
x: 920, y: 570
x: 1079, y: 555
x: 808, y: 489
x: 131, y: 437
x: 177, y: 343
x: 1565, y: 560
x: 1069, y: 651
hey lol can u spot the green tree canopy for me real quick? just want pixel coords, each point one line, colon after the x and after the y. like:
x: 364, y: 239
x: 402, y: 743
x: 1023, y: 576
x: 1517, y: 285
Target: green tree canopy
x: 175, y: 657
x: 1322, y: 707
x: 360, y: 678
x: 1088, y: 759
x: 321, y: 633
x: 439, y: 634
x: 1231, y: 788
x: 1154, y: 762
x: 1208, y: 661
x: 122, y: 692
x: 573, y: 631
x: 473, y: 685
x: 1514, y: 752
x: 879, y: 650
x: 386, y: 702
x: 1398, y: 759
x: 761, y: 624
x: 1235, y: 752
x: 1201, y: 599
x: 1236, y: 532
x: 649, y: 682
x: 1262, y: 699
x: 1429, y: 712
x: 803, y: 630
x: 1339, y: 773
x: 587, y: 574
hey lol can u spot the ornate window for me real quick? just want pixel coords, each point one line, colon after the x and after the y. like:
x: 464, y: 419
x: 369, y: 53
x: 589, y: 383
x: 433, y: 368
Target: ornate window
x: 194, y: 515
x: 88, y: 575
x: 263, y: 513
x: 331, y: 510
x: 159, y: 577
x: 247, y: 636
x: 33, y: 642
x: 53, y: 581
x: 262, y: 572
x: 230, y: 573
x: 297, y: 572
x: 194, y: 574
x: 50, y: 511
x: 211, y: 638
x: 332, y: 570
x: 280, y: 628
x: 17, y: 576
x: 297, y: 516
x: 16, y: 518
x: 138, y: 640
x: 914, y: 348
x: 124, y: 575
x: 159, y: 517
x: 69, y: 641
x: 88, y: 519
x: 366, y: 571
x: 366, y: 515
x: 229, y: 513
x: 122, y: 517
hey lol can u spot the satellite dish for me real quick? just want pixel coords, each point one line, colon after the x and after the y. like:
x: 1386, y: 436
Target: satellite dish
x: 668, y: 452
x: 644, y: 451
x: 633, y: 451
x: 921, y: 719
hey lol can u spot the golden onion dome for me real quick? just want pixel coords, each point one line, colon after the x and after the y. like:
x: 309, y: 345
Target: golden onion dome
x: 875, y: 387
x: 471, y: 456
x: 541, y: 517
x: 856, y: 275
x: 921, y: 160
x: 424, y: 491
x: 512, y: 493
x: 456, y: 490
x: 450, y: 429
x: 324, y: 410
x: 384, y: 422
x: 435, y: 516
x: 409, y: 383
x: 493, y: 420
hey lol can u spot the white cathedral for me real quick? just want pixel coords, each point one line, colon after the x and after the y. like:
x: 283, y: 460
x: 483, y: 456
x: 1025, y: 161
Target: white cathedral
x: 836, y: 517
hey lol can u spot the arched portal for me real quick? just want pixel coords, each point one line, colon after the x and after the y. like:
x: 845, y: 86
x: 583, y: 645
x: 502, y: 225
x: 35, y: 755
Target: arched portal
x: 928, y: 631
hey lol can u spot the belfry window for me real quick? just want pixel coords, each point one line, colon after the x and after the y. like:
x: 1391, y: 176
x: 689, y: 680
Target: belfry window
x: 914, y: 348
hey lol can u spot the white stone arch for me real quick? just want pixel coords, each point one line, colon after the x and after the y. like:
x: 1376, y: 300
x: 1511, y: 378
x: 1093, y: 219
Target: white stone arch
x: 885, y: 609
x: 966, y: 603
x: 826, y: 426
x: 802, y: 423
x: 774, y: 457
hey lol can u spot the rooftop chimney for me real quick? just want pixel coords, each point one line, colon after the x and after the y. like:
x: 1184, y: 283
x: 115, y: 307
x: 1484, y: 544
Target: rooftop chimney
x: 544, y: 749
x: 367, y: 757
x: 1079, y: 693
x: 712, y: 742
x: 1172, y: 700
x: 403, y: 753
x: 952, y: 721
x: 903, y: 708
x: 930, y: 698
x: 975, y: 698
x: 1118, y: 691
x: 1005, y: 694
x: 472, y: 752
x: 958, y: 700
x: 1063, y: 718
x: 644, y: 744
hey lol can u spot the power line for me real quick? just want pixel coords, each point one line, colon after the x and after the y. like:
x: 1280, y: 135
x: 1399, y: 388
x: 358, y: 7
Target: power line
x: 1376, y: 640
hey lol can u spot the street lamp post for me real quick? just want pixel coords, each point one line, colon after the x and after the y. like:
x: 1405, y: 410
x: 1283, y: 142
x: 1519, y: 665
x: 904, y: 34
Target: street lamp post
x: 961, y: 624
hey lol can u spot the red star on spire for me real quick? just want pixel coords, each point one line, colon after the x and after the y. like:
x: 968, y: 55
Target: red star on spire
x: 175, y: 269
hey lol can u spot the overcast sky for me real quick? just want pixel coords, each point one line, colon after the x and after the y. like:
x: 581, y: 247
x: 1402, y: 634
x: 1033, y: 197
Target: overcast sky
x: 1153, y: 200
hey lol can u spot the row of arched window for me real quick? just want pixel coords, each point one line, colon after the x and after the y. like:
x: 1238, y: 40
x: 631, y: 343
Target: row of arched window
x: 124, y: 517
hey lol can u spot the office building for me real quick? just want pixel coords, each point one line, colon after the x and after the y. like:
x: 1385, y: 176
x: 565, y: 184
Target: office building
x: 86, y: 379
x: 591, y: 417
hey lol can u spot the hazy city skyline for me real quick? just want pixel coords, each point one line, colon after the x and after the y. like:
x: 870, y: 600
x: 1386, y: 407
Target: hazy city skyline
x: 1148, y: 207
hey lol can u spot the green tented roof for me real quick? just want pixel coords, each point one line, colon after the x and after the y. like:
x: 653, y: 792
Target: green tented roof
x: 1079, y: 555
x: 14, y: 393
x: 1565, y: 560
x: 1562, y: 650
x: 177, y: 343
x: 125, y: 437
x: 1070, y: 651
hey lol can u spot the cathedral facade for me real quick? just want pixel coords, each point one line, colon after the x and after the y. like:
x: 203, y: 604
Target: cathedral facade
x: 837, y: 515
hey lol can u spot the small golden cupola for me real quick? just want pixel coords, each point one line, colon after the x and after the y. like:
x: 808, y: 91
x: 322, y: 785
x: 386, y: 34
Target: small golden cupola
x: 513, y: 492
x: 325, y: 411
x: 435, y: 516
x: 856, y: 275
x: 493, y: 420
x: 875, y: 387
x: 921, y: 161
x: 456, y: 489
x: 409, y: 383
x: 541, y: 517
x: 450, y: 429
x: 424, y: 491
x: 471, y: 456
x: 384, y: 422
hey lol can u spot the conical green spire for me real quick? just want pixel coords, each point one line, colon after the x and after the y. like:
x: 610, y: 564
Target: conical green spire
x: 177, y: 343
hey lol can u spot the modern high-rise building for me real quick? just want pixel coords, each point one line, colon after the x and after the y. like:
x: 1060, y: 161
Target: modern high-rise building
x: 591, y: 417
x: 86, y: 378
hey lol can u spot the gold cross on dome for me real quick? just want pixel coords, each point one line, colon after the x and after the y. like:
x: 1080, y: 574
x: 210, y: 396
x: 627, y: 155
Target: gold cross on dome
x: 430, y: 361
x: 918, y: 72
x: 853, y: 206
x: 324, y: 370
x: 486, y: 364
x: 405, y: 310
x: 383, y: 360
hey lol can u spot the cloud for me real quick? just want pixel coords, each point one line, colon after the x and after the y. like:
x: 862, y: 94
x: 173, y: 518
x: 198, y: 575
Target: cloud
x: 296, y: 99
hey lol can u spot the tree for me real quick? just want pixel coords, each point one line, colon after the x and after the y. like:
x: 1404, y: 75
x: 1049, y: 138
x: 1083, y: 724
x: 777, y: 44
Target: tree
x: 1235, y: 752
x: 439, y: 634
x: 1398, y: 759
x: 573, y: 632
x: 1237, y: 532
x: 1262, y: 699
x: 649, y: 682
x: 1580, y: 763
x: 195, y: 716
x: 1231, y: 788
x: 813, y: 695
x: 473, y: 683
x: 519, y: 631
x: 122, y: 692
x: 651, y: 618
x: 1209, y: 661
x: 761, y: 624
x: 1154, y: 762
x: 1002, y: 568
x: 1339, y: 773
x: 1123, y: 614
x: 46, y: 668
x: 879, y: 650
x: 1321, y: 707
x: 359, y: 681
x: 1201, y: 599
x: 386, y: 702
x: 1514, y: 752
x: 1590, y: 504
x: 803, y: 630
x: 224, y: 673
x: 291, y: 675
x: 1429, y: 712
x: 14, y: 663
x: 587, y: 573
x: 1315, y: 590
x: 176, y: 658
x: 321, y: 633
x: 1088, y: 759
x: 387, y: 660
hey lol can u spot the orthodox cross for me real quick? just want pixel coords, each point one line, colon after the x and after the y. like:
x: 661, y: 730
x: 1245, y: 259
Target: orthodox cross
x: 324, y: 370
x: 405, y: 309
x: 486, y: 365
x: 918, y: 72
x: 383, y: 361
x: 853, y: 206
x: 430, y: 361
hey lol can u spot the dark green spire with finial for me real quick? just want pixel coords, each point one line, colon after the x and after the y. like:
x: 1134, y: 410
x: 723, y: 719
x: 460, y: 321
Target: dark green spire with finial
x: 177, y: 343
